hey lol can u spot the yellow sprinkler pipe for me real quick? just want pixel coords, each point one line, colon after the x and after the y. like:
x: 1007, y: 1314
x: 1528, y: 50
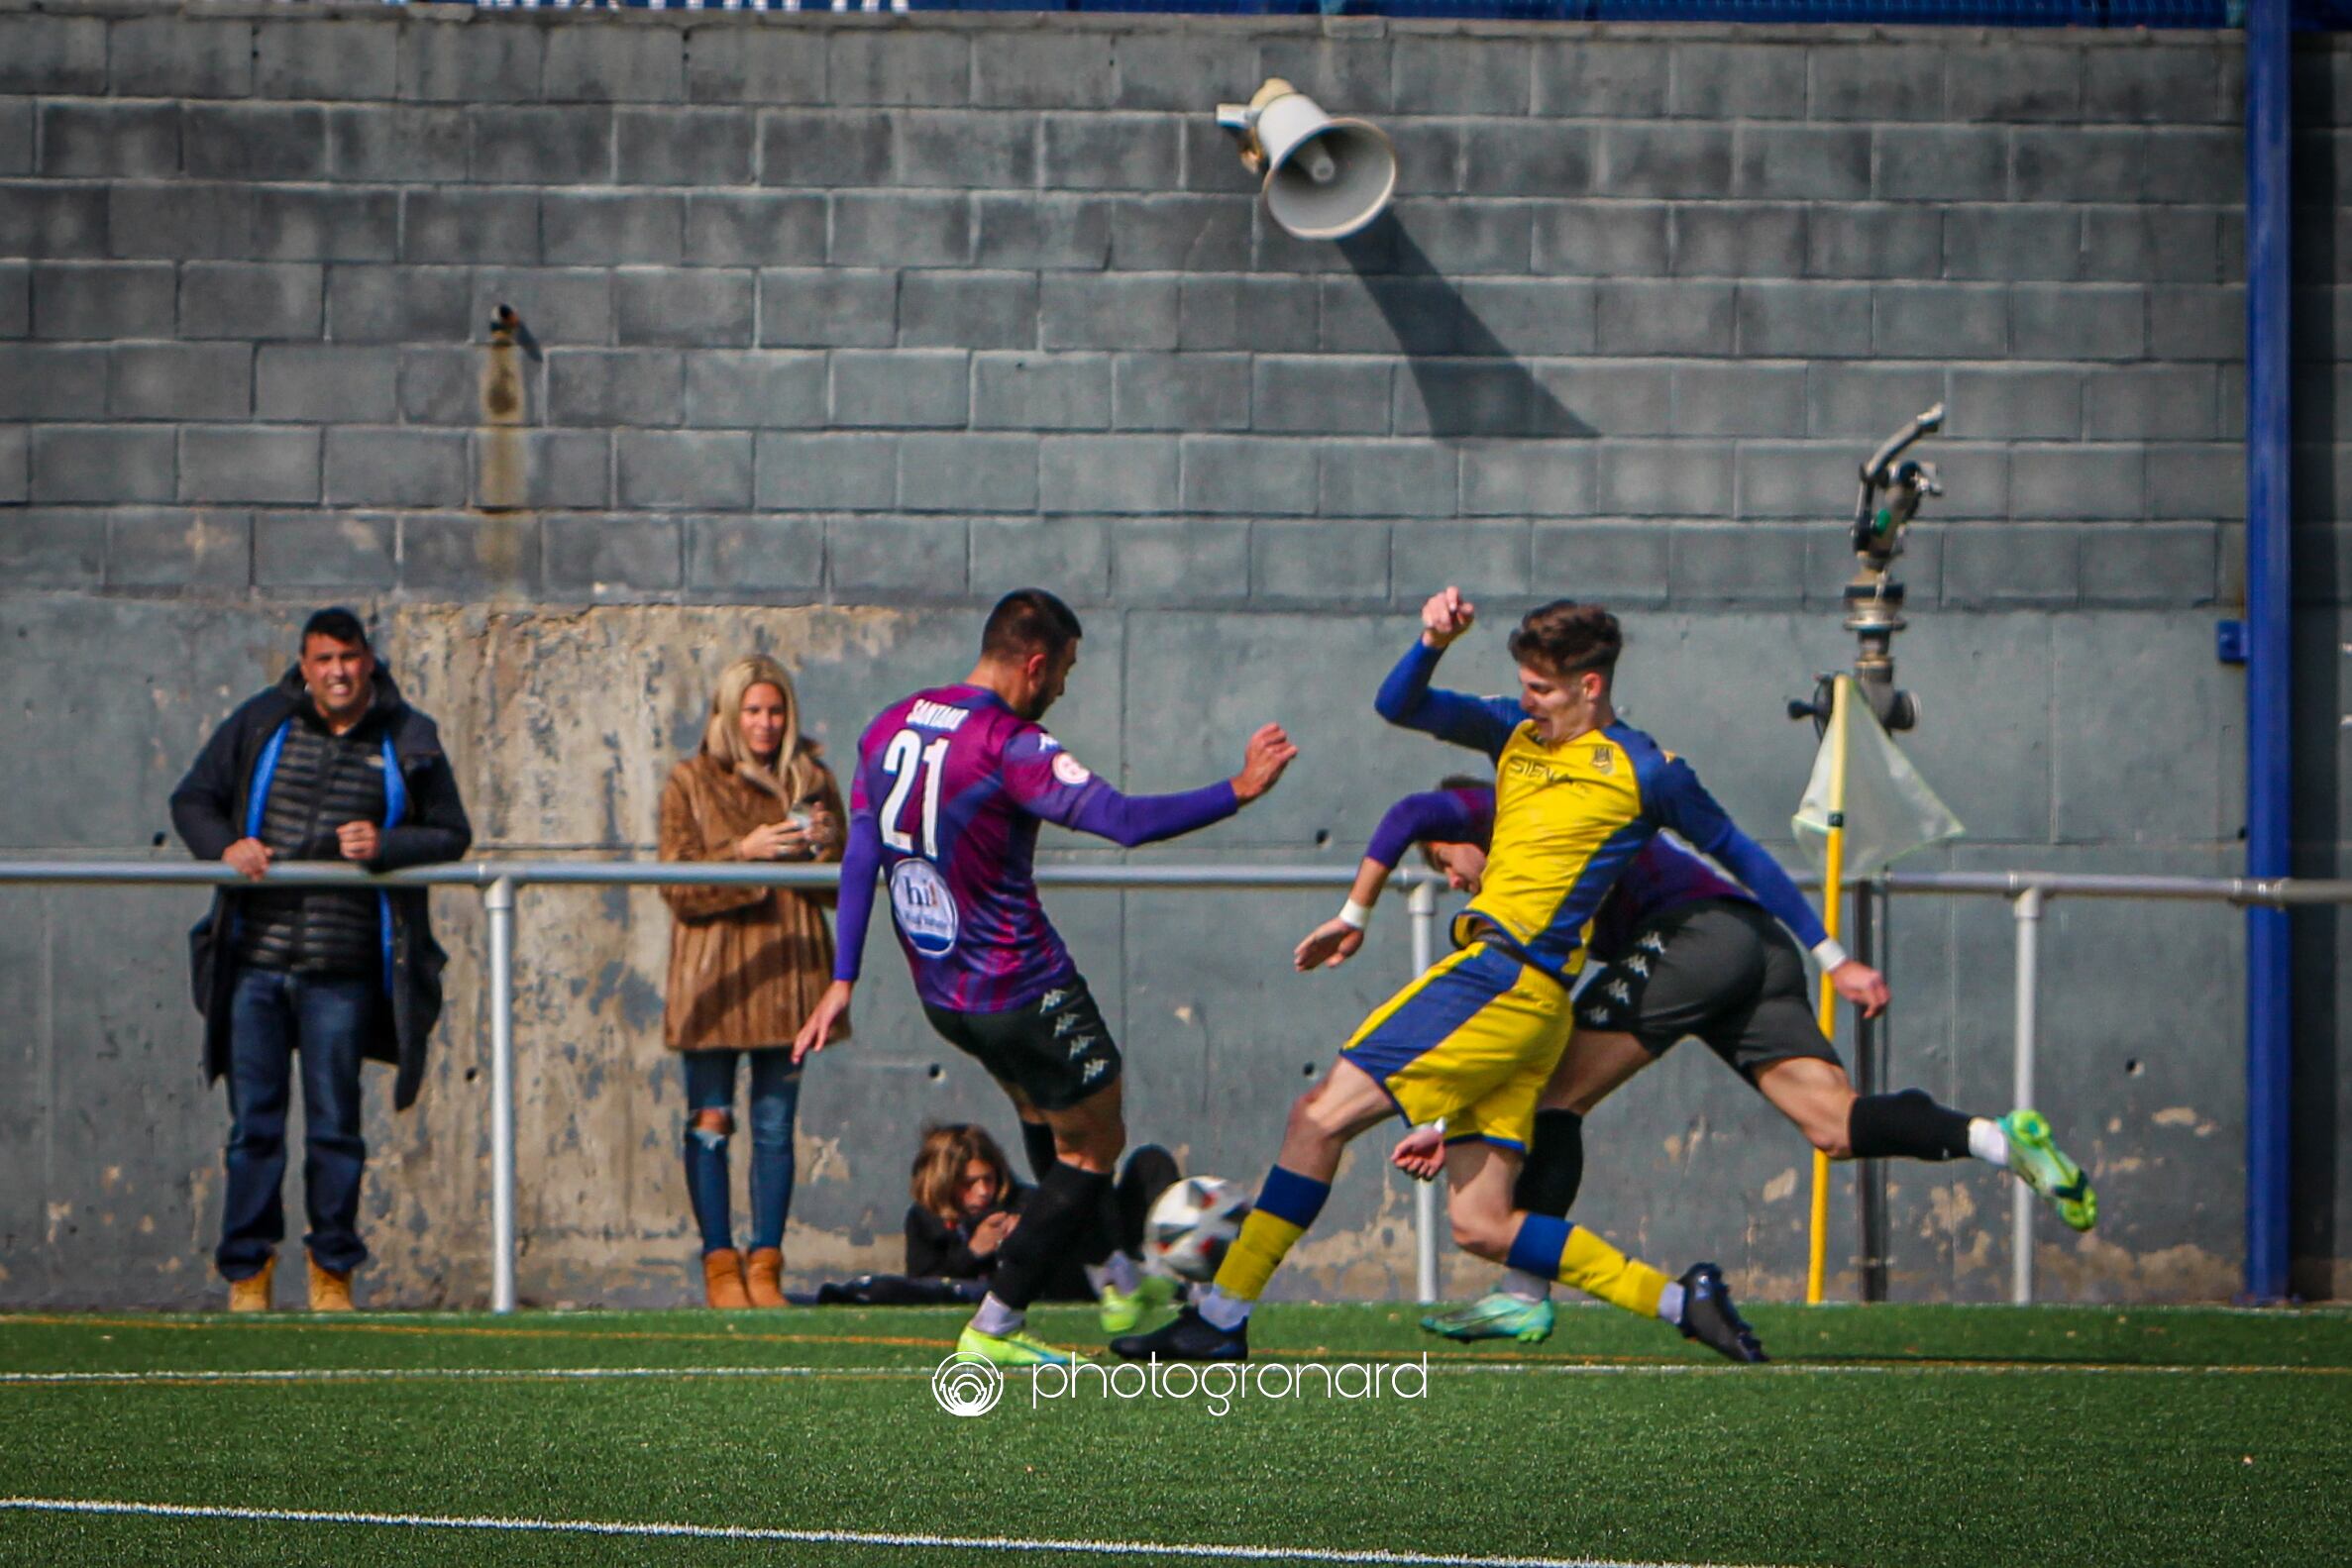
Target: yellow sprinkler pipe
x: 1833, y: 873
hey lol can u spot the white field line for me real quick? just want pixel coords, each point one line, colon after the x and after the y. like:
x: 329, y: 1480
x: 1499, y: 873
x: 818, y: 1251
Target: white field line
x: 1473, y: 1369
x: 746, y: 1533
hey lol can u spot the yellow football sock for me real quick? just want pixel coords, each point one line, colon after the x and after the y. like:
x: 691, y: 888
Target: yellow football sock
x: 1600, y: 1270
x: 1286, y: 1206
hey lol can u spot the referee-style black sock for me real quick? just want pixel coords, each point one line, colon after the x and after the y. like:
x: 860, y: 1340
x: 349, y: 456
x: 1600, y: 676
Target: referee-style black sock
x: 1554, y: 1165
x: 1064, y: 1218
x: 1905, y: 1126
x: 1036, y: 1141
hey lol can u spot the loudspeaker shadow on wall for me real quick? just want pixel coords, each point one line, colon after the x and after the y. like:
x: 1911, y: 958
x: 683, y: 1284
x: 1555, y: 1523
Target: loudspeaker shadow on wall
x: 1470, y: 383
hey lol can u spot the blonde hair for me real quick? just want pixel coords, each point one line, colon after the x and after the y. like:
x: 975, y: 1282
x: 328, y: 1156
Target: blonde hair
x: 938, y: 1175
x: 723, y: 736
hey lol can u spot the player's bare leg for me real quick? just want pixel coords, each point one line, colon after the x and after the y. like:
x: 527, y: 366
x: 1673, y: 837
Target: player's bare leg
x: 1821, y: 1101
x: 1481, y: 1179
x: 1323, y: 1121
x: 1596, y: 1064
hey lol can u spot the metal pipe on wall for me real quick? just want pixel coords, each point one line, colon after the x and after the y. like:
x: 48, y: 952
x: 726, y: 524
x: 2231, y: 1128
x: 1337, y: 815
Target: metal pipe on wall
x: 2028, y: 912
x: 498, y: 905
x: 2269, y: 962
x: 1422, y: 905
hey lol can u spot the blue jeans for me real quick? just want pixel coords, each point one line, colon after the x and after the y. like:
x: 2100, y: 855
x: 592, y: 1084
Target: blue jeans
x: 273, y: 1018
x: 774, y: 1095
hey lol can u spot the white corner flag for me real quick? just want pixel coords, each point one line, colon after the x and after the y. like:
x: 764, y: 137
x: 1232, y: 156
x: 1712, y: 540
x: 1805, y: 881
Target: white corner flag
x: 1889, y: 809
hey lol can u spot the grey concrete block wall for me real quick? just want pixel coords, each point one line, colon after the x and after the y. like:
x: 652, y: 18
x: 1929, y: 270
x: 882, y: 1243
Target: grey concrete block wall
x: 862, y: 320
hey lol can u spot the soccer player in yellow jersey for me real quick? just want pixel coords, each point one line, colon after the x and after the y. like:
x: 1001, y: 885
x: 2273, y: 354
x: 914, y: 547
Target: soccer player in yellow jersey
x: 1474, y: 1040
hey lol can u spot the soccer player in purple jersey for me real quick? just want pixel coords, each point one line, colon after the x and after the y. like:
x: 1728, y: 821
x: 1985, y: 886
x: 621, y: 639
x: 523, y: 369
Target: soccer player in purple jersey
x: 1682, y: 950
x: 950, y: 786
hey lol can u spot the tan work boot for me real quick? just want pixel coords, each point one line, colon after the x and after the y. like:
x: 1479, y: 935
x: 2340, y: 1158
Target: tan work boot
x: 329, y: 1292
x: 252, y: 1293
x: 722, y: 1280
x: 763, y: 1275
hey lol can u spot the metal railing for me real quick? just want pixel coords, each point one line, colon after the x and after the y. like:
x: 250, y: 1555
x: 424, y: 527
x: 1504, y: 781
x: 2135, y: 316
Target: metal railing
x: 2307, y: 14
x: 501, y: 880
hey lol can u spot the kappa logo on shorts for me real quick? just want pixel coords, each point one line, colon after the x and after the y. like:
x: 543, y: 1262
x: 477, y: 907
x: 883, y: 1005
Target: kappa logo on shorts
x: 1052, y: 1000
x: 1652, y: 942
x: 1617, y: 989
x: 1065, y: 1024
x: 1094, y: 1069
x: 1080, y: 1046
x: 1638, y: 965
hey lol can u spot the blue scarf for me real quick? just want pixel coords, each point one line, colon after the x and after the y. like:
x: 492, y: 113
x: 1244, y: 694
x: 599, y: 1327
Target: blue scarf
x: 395, y: 803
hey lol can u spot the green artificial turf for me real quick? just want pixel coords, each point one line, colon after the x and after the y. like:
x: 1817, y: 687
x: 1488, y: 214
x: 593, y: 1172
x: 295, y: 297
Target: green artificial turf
x: 1918, y: 1436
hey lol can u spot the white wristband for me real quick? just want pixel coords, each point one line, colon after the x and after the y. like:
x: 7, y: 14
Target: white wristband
x: 1354, y: 915
x: 1828, y: 953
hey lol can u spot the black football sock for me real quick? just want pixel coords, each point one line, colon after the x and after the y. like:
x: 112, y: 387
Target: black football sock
x: 1554, y: 1167
x: 1064, y: 1218
x: 1906, y: 1126
x: 1036, y: 1141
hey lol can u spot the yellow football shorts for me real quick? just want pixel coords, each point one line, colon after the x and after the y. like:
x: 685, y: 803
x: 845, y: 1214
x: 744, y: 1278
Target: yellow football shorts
x: 1472, y: 1040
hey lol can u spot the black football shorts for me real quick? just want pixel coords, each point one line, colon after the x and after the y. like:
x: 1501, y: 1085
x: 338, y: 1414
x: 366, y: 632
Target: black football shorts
x: 1720, y: 969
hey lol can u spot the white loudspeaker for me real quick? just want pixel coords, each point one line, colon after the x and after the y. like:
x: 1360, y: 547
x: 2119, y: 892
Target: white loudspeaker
x: 1326, y: 178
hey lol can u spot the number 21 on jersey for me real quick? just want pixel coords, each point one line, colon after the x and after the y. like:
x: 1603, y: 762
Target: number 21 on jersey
x: 905, y: 758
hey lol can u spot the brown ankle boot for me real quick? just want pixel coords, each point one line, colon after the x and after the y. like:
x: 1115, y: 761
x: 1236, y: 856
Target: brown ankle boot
x: 763, y: 1275
x: 252, y: 1293
x: 722, y: 1280
x: 329, y: 1292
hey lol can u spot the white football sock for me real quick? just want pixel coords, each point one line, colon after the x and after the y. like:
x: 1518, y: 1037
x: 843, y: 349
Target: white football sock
x: 1221, y: 1311
x: 1526, y: 1286
x: 1117, y: 1271
x: 997, y: 1319
x: 1669, y: 1305
x: 1988, y: 1142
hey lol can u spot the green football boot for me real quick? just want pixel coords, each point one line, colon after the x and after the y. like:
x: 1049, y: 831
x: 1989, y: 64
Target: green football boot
x: 1495, y: 1315
x: 2043, y: 1166
x: 1121, y: 1310
x: 1016, y: 1349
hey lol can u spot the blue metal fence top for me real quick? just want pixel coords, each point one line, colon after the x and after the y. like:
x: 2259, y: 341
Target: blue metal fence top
x: 2307, y: 14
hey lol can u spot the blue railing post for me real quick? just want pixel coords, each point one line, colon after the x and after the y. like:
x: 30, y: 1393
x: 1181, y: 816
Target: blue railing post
x: 2269, y: 999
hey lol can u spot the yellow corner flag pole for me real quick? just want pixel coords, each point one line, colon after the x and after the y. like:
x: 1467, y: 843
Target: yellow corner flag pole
x: 1840, y: 693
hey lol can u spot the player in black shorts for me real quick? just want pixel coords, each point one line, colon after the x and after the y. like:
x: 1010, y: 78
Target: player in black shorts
x: 1682, y: 950
x: 950, y: 788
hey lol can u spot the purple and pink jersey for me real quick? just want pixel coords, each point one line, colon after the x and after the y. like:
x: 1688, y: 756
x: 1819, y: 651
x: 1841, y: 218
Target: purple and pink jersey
x: 1663, y: 876
x: 949, y: 789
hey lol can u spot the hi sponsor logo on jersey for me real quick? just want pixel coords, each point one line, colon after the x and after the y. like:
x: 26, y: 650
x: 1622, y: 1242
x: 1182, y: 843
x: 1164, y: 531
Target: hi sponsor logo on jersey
x: 965, y: 1385
x: 925, y: 909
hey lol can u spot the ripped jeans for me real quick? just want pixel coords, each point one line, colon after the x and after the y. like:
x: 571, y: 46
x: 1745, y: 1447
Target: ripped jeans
x: 774, y: 1095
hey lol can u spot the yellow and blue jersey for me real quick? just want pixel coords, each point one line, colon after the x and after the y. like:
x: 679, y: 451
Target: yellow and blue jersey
x: 1570, y: 817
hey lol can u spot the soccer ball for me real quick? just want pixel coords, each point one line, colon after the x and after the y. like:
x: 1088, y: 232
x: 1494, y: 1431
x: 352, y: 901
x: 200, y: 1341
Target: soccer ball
x: 1191, y: 1225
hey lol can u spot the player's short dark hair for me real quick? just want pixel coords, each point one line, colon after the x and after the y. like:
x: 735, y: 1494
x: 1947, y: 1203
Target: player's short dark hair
x: 1565, y: 638
x: 337, y: 622
x: 1028, y: 621
x: 1464, y: 781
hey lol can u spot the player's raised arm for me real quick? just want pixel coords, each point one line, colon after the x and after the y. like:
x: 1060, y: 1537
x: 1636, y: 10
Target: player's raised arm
x: 1051, y: 784
x: 1406, y: 699
x: 1682, y: 803
x: 1442, y: 815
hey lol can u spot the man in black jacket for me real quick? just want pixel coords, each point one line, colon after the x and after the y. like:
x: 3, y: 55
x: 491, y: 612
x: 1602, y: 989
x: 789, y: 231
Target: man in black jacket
x: 330, y: 763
